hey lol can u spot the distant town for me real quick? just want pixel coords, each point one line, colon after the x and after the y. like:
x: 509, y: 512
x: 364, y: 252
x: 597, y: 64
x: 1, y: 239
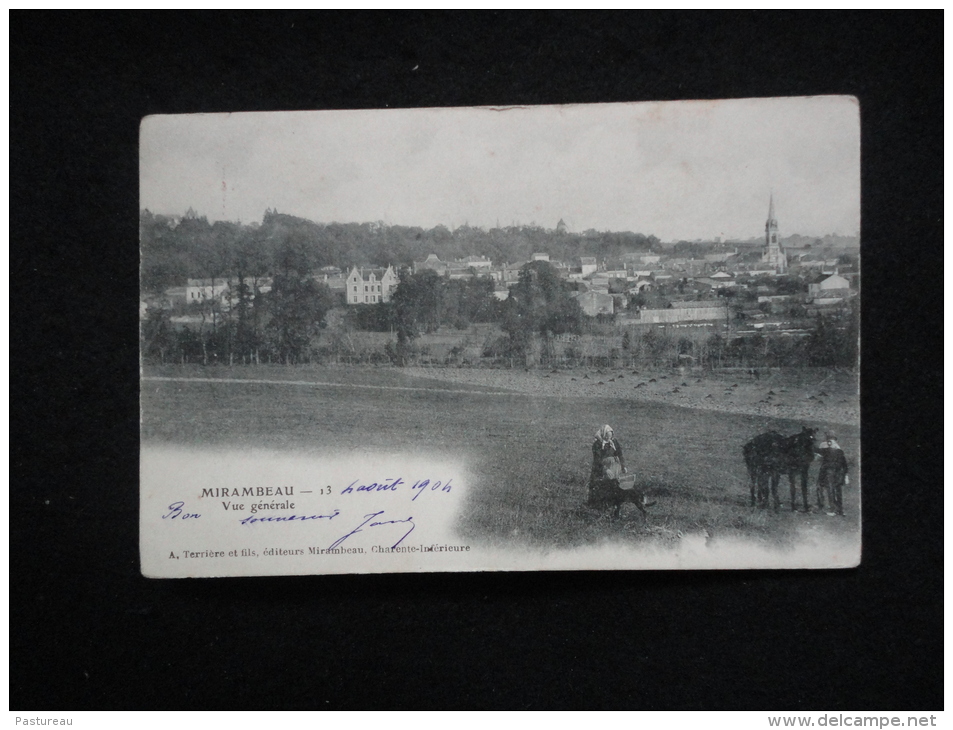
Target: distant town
x: 768, y: 286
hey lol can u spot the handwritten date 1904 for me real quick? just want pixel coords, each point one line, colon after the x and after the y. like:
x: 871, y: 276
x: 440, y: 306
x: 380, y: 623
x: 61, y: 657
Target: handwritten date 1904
x: 391, y: 485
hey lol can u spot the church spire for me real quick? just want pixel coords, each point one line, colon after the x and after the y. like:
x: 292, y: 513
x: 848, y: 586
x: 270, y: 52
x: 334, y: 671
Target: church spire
x: 773, y: 255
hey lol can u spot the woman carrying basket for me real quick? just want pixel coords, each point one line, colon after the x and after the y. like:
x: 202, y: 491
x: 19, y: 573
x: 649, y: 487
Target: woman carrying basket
x: 608, y: 464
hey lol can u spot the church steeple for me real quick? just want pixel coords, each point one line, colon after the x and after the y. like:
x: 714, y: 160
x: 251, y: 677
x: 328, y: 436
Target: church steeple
x: 773, y: 256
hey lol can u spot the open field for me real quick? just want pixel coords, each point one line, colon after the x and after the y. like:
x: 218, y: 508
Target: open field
x: 823, y: 395
x: 528, y: 453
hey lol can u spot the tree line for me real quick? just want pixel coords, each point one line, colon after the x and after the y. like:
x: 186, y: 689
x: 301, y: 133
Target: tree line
x: 539, y: 324
x: 175, y: 249
x: 285, y: 324
x: 831, y: 342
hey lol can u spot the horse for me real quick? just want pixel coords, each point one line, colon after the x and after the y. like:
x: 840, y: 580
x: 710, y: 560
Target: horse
x: 769, y: 455
x: 761, y: 459
x: 796, y: 457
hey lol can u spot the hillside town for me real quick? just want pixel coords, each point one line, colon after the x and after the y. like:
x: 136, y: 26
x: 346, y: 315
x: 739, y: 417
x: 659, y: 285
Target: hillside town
x: 752, y: 286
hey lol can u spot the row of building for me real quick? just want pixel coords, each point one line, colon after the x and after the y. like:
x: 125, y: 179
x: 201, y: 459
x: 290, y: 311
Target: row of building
x: 632, y: 273
x: 361, y: 286
x: 371, y: 285
x: 827, y: 291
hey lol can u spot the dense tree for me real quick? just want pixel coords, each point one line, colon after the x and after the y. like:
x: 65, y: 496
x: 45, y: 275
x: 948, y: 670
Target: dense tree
x: 468, y: 300
x: 157, y: 276
x: 658, y: 348
x: 416, y: 306
x: 539, y: 306
x: 834, y: 343
x: 165, y: 255
x: 417, y: 301
x: 157, y: 337
x: 848, y: 261
x: 377, y: 317
x: 296, y: 308
x: 175, y: 249
x: 790, y: 285
x: 189, y: 346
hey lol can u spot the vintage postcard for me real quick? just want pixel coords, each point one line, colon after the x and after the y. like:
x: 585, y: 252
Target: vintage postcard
x: 583, y: 337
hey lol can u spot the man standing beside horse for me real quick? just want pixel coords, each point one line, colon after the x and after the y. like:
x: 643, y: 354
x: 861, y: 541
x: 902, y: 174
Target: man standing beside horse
x: 832, y: 475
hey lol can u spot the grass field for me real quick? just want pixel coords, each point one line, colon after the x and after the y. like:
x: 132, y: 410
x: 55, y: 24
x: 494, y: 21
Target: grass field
x: 529, y: 456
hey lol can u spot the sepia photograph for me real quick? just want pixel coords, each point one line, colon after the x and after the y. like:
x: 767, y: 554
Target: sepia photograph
x: 477, y: 361
x: 580, y: 337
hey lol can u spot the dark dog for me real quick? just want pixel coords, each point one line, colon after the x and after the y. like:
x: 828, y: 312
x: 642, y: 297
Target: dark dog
x: 606, y: 493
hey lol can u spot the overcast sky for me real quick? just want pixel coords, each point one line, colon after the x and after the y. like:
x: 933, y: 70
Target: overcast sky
x: 678, y: 170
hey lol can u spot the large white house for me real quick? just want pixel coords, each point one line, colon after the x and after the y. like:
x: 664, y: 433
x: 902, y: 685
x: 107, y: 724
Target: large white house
x: 685, y: 312
x: 833, y: 288
x: 431, y: 262
x: 594, y: 303
x: 481, y: 263
x: 370, y: 286
x: 221, y: 290
x: 200, y: 290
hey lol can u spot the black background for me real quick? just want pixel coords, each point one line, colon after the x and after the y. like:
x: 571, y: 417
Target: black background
x: 87, y: 631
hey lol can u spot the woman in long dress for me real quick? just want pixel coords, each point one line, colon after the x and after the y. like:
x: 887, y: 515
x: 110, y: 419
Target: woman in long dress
x: 608, y: 464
